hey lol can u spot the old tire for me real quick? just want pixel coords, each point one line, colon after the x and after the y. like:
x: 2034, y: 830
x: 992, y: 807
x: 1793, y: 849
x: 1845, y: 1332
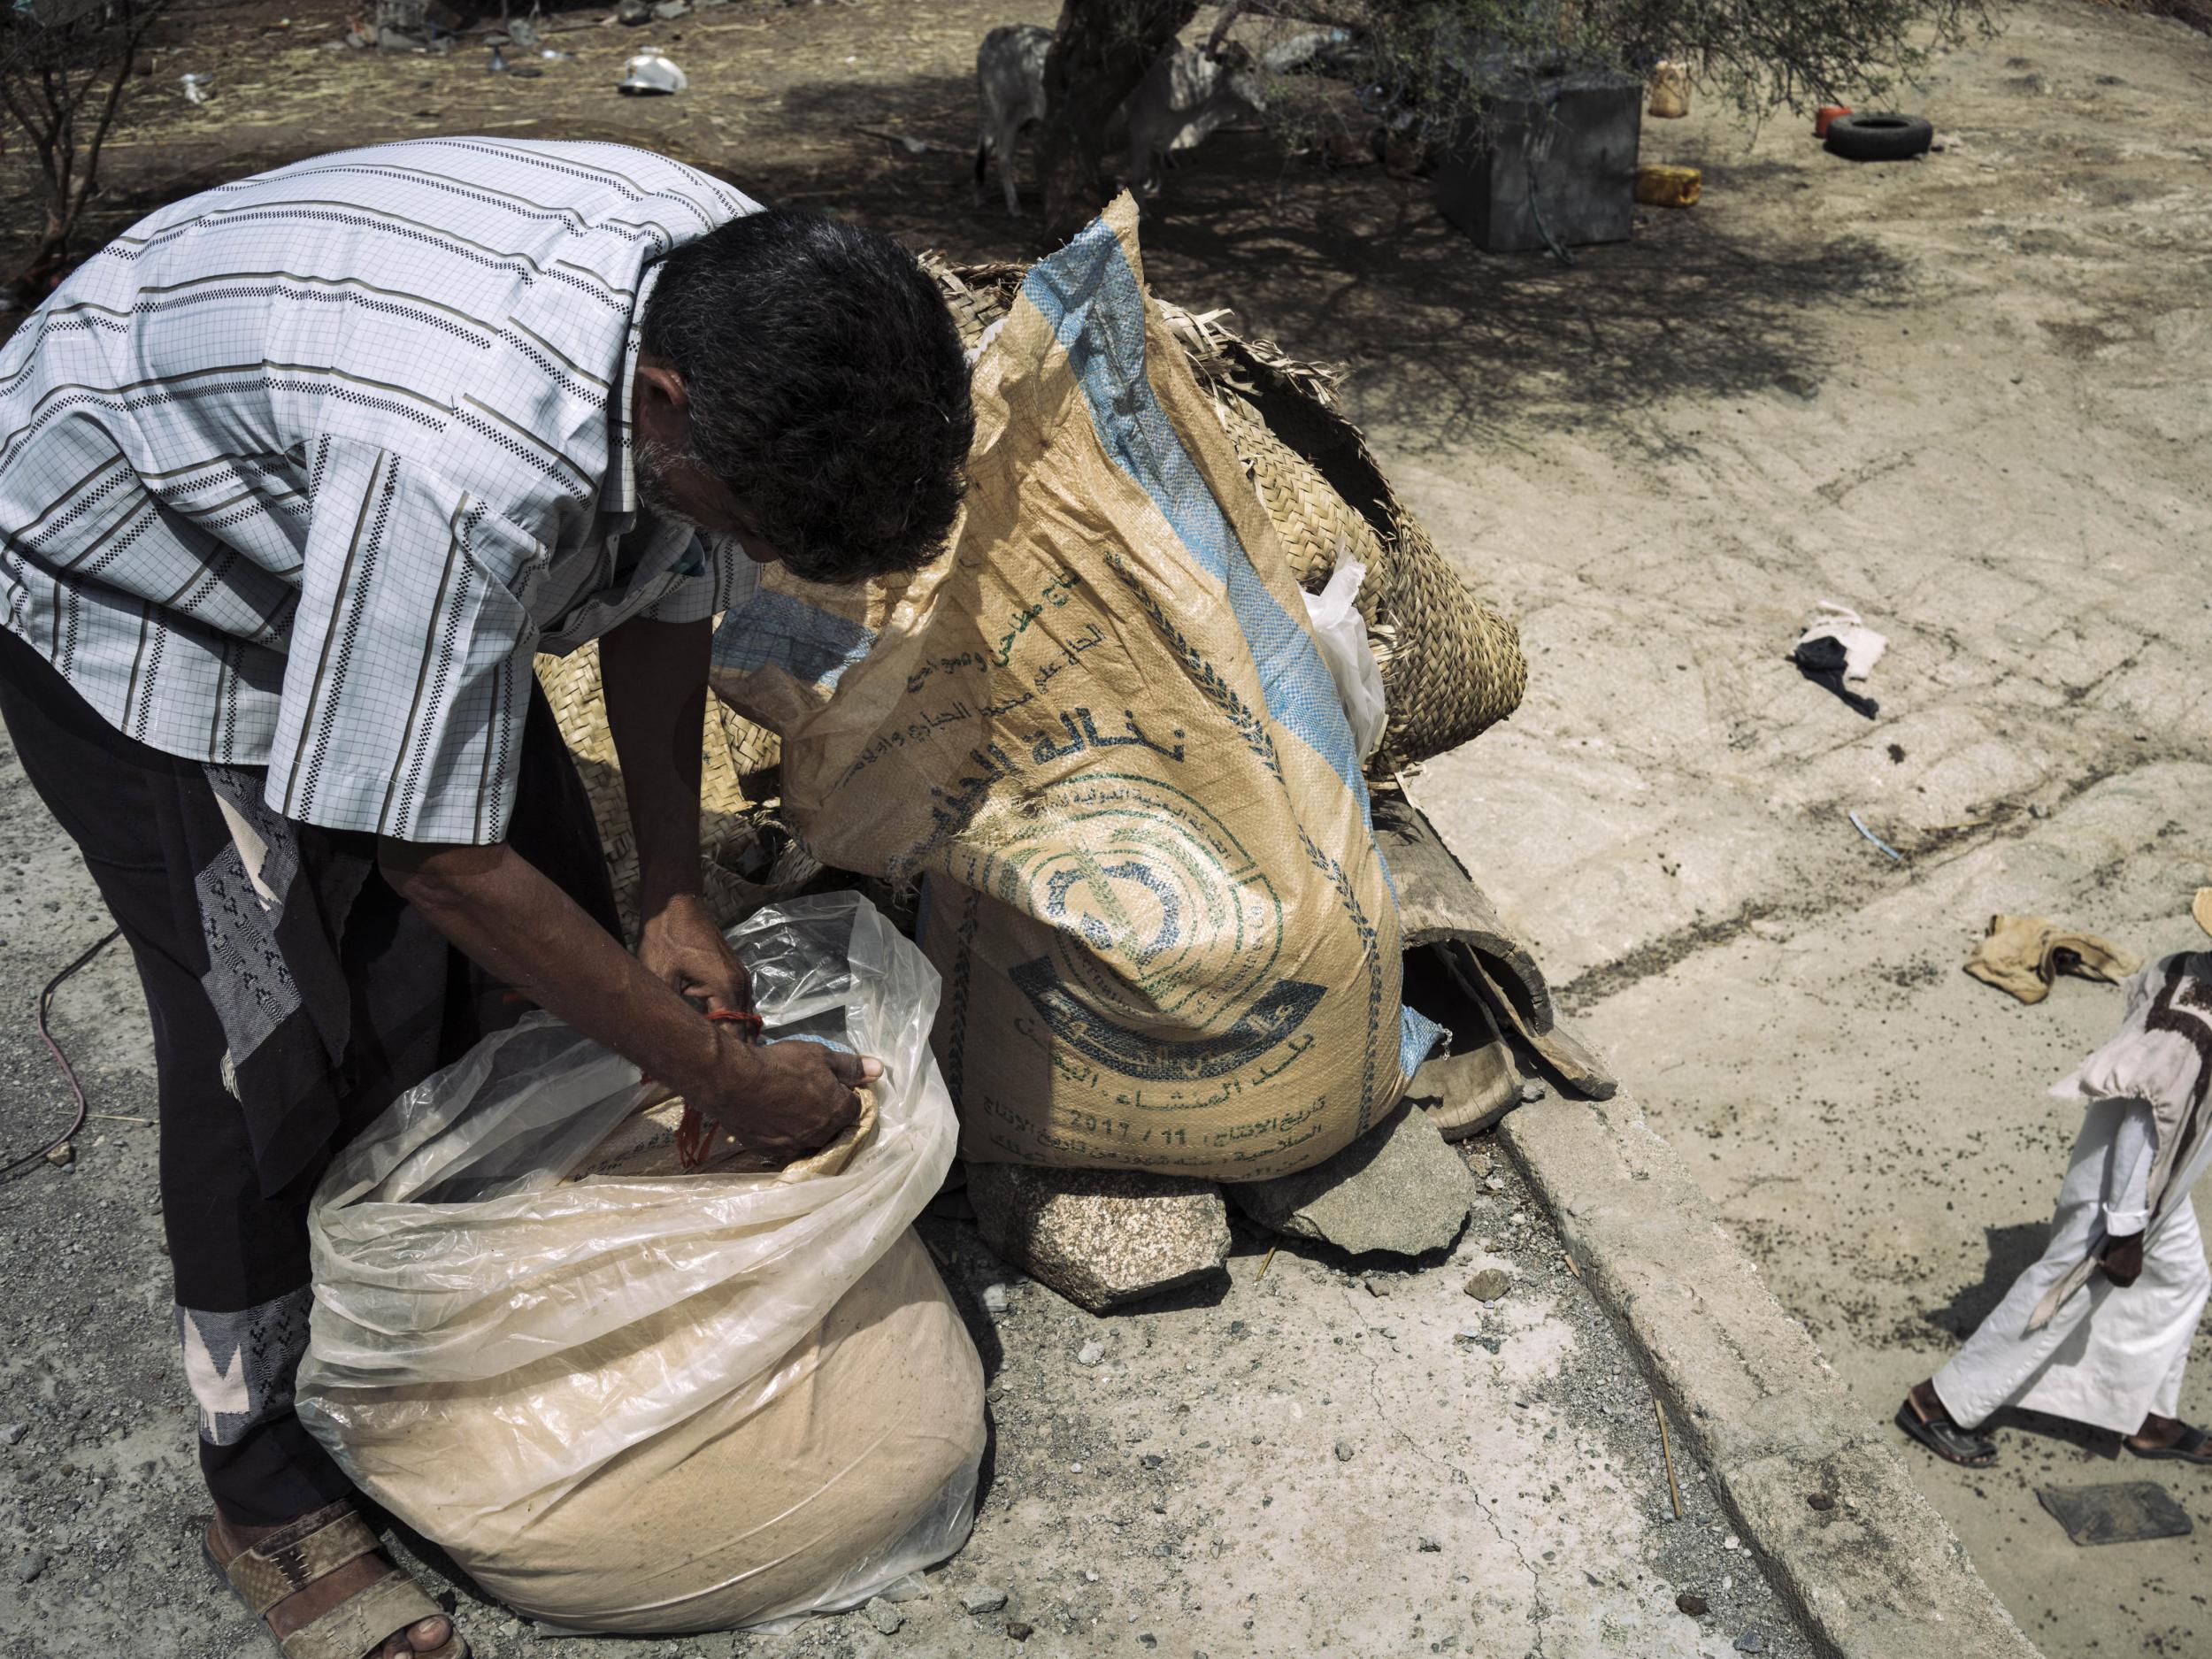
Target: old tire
x: 1880, y: 137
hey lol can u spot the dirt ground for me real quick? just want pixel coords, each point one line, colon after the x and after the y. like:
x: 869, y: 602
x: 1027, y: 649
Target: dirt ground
x: 1967, y: 395
x: 1324, y: 1456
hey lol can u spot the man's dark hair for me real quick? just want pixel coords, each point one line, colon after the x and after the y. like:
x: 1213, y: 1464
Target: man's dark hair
x: 827, y: 387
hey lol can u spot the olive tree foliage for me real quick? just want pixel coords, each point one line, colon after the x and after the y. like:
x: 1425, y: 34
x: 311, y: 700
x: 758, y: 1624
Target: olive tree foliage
x: 65, y: 67
x: 1433, y: 63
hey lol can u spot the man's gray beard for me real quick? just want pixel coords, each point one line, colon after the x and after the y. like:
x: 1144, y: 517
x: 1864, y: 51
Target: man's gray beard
x: 651, y: 463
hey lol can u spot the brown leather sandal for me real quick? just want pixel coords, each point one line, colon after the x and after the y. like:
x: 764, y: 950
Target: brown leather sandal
x: 314, y: 1547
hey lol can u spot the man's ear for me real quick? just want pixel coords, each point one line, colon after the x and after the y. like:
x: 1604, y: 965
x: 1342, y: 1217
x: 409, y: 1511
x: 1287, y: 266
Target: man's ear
x: 663, y: 412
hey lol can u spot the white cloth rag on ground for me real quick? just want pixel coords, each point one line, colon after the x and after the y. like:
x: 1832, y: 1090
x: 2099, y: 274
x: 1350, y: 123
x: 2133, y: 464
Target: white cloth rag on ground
x: 1862, y: 647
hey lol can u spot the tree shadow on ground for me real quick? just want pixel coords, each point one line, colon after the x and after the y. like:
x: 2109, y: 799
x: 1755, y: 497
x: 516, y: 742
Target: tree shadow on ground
x: 1448, y: 348
x: 1447, y: 345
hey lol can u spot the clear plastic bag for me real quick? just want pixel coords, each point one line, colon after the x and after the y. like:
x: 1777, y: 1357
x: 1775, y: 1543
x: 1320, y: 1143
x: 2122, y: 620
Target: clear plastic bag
x: 1341, y: 634
x: 574, y: 1387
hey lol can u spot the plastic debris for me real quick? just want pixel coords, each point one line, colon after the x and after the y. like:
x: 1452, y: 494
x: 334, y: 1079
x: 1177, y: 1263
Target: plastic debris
x: 651, y: 74
x: 1862, y: 647
x: 1859, y: 823
x: 1835, y: 646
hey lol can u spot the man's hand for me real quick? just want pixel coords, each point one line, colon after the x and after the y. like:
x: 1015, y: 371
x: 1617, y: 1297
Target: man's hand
x: 786, y: 1099
x: 682, y: 946
x: 2123, y: 1259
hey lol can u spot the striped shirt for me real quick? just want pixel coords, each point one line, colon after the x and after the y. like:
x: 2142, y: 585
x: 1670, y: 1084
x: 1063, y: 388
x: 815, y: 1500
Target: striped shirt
x: 299, y: 473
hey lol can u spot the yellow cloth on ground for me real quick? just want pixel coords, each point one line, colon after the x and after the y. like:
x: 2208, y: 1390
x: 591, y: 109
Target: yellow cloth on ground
x: 2023, y: 955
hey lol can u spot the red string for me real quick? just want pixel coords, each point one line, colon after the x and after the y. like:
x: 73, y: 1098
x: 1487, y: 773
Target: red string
x: 69, y: 1074
x: 695, y: 1135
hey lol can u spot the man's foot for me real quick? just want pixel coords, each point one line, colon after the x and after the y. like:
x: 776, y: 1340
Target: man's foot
x: 1923, y: 1418
x: 2171, y: 1438
x: 226, y: 1542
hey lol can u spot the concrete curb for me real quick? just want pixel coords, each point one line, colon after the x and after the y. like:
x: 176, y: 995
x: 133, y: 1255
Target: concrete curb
x: 1879, y: 1576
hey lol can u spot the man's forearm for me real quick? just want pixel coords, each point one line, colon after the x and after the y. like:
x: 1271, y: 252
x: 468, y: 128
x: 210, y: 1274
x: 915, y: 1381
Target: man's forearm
x: 516, y: 925
x: 655, y: 676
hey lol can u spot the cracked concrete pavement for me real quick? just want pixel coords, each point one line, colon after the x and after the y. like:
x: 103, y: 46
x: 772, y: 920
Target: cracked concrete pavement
x: 1991, y: 443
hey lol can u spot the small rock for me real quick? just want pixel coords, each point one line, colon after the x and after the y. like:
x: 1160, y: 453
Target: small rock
x: 1821, y: 1501
x: 1691, y: 1602
x: 1751, y: 1641
x: 1798, y: 385
x: 1518, y: 1219
x: 61, y: 1156
x: 1089, y: 1354
x: 1344, y: 1451
x: 1018, y: 1630
x: 1532, y: 1091
x: 1398, y: 1188
x: 12, y: 1434
x: 1376, y: 1287
x: 983, y: 1598
x: 1429, y: 1545
x: 30, y: 1567
x: 994, y: 1298
x: 885, y: 1615
x: 1731, y: 1543
x: 669, y: 11
x: 1151, y: 1460
x: 1493, y: 1184
x: 1488, y: 1285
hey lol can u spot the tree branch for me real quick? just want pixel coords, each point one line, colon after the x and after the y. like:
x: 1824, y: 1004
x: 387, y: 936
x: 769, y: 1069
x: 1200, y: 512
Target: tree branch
x: 1231, y: 11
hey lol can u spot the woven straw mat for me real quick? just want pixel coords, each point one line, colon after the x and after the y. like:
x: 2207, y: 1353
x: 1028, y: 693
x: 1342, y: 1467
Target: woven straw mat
x: 1451, y: 666
x: 736, y: 819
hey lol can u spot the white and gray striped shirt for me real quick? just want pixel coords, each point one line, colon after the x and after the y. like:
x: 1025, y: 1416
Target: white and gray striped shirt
x: 300, y: 473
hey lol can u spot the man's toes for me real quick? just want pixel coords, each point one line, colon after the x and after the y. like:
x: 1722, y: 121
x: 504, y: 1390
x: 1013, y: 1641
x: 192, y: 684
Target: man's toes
x: 426, y: 1635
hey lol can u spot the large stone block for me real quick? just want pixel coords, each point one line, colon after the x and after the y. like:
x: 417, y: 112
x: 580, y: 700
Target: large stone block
x: 1397, y: 1188
x: 1101, y: 1237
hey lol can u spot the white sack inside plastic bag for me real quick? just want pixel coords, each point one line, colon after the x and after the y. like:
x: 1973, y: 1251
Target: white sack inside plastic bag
x: 516, y: 1365
x: 1342, y: 635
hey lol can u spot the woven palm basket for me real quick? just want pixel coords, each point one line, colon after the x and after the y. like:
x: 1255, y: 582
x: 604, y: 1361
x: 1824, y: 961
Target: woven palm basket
x: 1451, y: 666
x: 746, y: 858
